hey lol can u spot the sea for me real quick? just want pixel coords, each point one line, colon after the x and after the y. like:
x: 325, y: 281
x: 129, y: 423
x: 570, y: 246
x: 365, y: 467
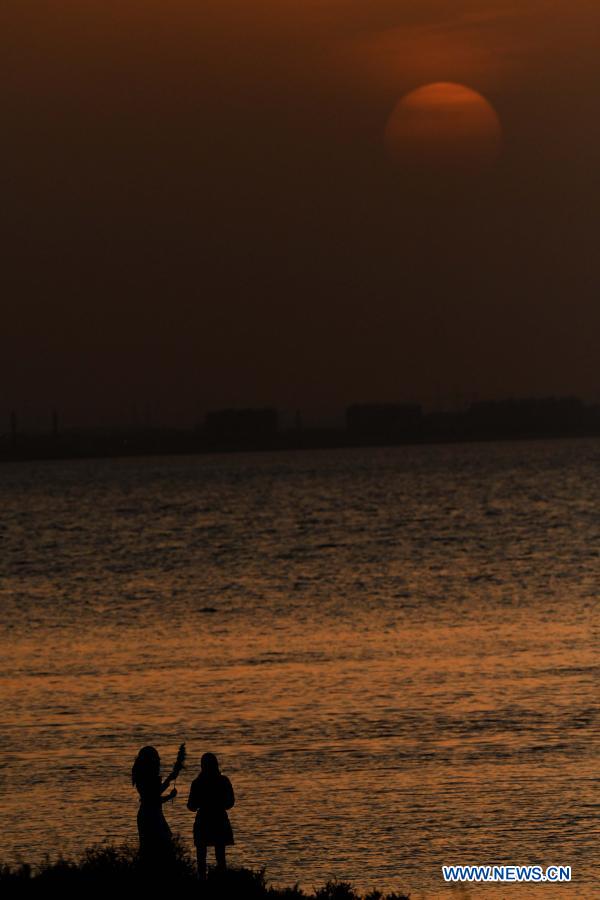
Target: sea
x: 392, y: 651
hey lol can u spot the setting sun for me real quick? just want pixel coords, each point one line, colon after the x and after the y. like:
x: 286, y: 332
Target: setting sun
x: 443, y: 125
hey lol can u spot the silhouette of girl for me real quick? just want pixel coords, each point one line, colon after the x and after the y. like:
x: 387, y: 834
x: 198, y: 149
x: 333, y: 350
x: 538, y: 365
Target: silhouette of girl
x: 211, y: 795
x: 155, y: 835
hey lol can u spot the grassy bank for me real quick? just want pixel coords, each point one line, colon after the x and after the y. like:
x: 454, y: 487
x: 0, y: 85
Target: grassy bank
x: 115, y: 872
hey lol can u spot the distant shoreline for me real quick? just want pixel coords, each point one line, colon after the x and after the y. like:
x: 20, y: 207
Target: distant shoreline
x: 125, y: 443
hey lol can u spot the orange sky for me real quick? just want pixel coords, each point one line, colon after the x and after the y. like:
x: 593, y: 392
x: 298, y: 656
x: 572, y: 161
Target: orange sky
x: 198, y: 210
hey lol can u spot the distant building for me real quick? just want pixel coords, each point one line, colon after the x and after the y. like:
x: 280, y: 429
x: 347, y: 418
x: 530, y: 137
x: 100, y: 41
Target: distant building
x: 383, y: 421
x: 528, y: 415
x: 241, y: 425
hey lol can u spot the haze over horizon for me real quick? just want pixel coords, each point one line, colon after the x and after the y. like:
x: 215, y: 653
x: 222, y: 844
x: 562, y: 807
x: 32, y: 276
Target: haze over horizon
x: 199, y: 210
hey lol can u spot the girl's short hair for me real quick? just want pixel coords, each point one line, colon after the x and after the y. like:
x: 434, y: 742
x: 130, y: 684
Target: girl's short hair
x: 209, y: 764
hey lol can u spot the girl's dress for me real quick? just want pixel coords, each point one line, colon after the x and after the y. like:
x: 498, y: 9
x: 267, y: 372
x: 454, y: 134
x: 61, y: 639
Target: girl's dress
x: 212, y: 795
x: 155, y: 834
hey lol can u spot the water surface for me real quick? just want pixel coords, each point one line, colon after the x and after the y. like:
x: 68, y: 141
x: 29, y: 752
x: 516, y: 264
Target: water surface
x: 391, y: 651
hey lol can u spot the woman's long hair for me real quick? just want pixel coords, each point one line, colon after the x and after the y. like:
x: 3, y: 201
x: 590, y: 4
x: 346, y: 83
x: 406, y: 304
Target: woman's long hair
x: 146, y: 765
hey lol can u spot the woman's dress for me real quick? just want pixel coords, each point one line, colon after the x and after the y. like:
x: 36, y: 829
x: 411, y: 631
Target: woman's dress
x: 212, y: 795
x: 155, y: 834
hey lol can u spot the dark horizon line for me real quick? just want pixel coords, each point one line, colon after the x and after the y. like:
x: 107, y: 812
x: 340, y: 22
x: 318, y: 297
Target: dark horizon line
x: 142, y: 418
x: 367, y: 425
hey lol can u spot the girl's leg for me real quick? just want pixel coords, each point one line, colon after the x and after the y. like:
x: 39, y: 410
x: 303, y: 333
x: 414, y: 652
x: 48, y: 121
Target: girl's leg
x: 220, y: 857
x: 201, y: 857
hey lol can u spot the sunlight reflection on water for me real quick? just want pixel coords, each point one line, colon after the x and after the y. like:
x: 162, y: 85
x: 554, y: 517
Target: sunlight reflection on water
x: 399, y: 670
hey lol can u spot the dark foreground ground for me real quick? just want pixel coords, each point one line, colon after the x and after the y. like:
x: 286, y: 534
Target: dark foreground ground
x: 115, y: 872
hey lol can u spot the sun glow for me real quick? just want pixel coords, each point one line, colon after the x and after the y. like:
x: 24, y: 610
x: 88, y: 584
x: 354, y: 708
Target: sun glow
x: 443, y: 125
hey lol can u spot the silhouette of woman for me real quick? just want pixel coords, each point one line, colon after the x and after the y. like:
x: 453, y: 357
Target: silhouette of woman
x: 211, y: 795
x: 155, y: 835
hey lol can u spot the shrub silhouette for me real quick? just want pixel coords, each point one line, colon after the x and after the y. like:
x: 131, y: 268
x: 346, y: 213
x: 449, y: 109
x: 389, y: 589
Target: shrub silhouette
x: 115, y: 872
x: 336, y: 890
